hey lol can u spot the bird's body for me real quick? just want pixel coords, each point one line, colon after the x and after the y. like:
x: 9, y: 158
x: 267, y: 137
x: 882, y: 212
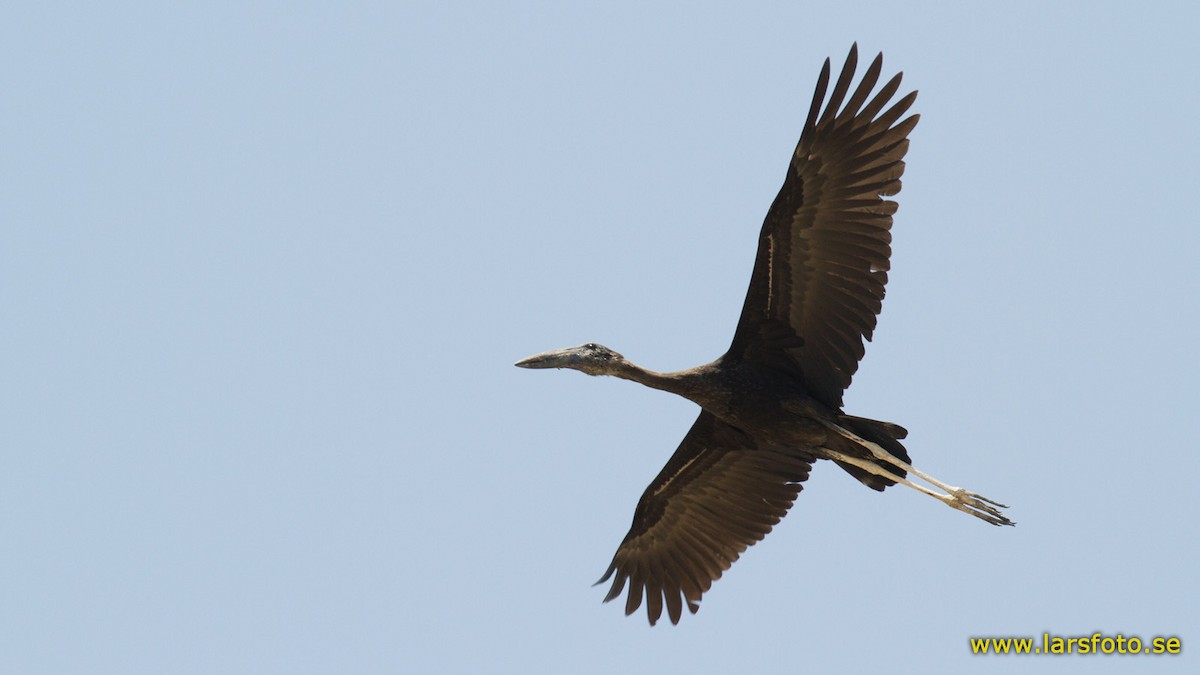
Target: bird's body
x: 771, y: 405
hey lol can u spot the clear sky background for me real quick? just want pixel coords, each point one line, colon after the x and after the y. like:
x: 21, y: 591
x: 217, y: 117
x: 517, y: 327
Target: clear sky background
x: 265, y: 268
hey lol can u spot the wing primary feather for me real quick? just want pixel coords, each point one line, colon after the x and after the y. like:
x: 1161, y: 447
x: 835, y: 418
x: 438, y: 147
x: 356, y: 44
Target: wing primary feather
x: 815, y: 108
x: 674, y: 606
x: 893, y: 113
x: 636, y: 582
x: 618, y: 584
x: 654, y: 598
x: 867, y: 114
x: 868, y: 82
x: 842, y: 86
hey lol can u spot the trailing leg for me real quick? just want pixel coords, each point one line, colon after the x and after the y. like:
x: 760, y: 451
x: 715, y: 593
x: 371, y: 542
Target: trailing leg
x: 958, y: 498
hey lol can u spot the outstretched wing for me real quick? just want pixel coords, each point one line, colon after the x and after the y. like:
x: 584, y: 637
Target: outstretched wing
x: 818, y: 281
x: 717, y: 495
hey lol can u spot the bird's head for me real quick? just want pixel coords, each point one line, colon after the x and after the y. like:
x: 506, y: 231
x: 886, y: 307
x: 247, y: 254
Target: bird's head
x: 590, y: 358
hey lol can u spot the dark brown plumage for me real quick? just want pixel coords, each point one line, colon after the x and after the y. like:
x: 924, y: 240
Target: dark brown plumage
x: 771, y: 405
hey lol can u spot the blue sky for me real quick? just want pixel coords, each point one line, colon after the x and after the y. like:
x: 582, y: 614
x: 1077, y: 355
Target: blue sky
x: 265, y: 269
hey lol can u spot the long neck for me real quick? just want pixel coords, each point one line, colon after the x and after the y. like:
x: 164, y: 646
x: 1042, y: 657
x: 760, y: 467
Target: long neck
x: 690, y: 384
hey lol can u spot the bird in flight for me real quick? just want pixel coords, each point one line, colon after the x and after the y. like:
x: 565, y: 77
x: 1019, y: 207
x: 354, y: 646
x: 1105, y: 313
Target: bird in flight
x: 771, y: 406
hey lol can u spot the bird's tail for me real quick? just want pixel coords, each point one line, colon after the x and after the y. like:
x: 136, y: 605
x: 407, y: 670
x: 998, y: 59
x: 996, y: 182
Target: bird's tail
x: 884, y: 434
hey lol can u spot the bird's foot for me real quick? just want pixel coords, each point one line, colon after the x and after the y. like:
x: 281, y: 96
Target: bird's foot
x: 977, y: 505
